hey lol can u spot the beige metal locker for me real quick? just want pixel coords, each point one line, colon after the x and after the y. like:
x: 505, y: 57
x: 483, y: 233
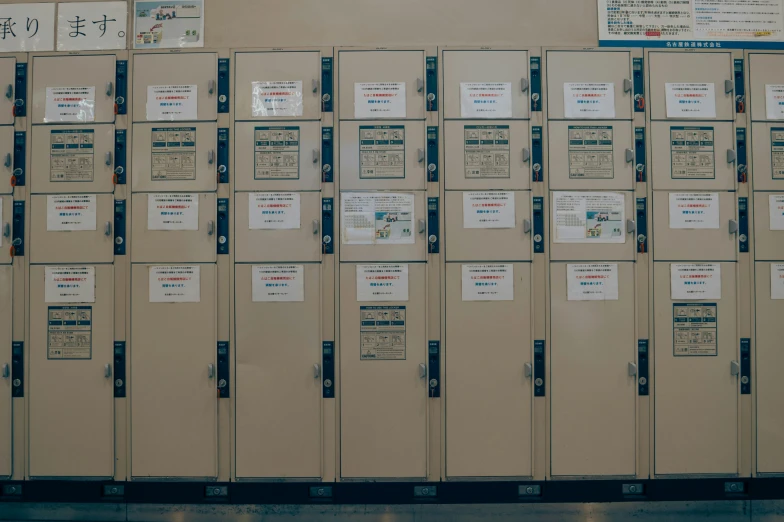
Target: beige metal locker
x: 6, y: 154
x: 487, y: 154
x: 175, y: 157
x: 693, y: 157
x: 688, y: 244
x: 593, y: 387
x: 275, y: 67
x: 383, y: 402
x: 278, y: 379
x: 594, y: 155
x: 71, y: 158
x: 6, y: 225
x: 173, y: 386
x: 96, y: 73
x: 589, y: 67
x: 8, y: 84
x: 70, y: 385
x: 764, y: 69
x: 769, y: 226
x: 199, y: 69
x: 172, y: 246
x: 770, y: 357
x: 6, y: 338
x: 280, y: 155
x: 91, y: 243
x: 768, y: 152
x: 496, y: 66
x: 489, y: 359
x: 696, y: 397
x: 382, y: 67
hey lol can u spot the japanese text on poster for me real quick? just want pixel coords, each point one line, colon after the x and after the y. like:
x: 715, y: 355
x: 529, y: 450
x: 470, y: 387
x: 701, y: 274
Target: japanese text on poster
x: 71, y: 213
x: 276, y: 99
x: 69, y: 104
x: 91, y: 25
x: 382, y: 282
x: 589, y: 217
x: 489, y: 209
x: 172, y: 102
x: 172, y: 211
x: 69, y: 284
x: 380, y: 100
x: 26, y: 27
x: 695, y: 281
x: 489, y: 282
x: 175, y: 284
x: 694, y: 210
x: 383, y: 218
x: 273, y: 211
x: 592, y: 282
x: 589, y: 100
x: 278, y: 283
x: 486, y: 100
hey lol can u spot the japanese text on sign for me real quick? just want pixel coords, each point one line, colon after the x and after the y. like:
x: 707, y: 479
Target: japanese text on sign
x: 380, y: 100
x: 175, y: 284
x: 490, y: 282
x: 91, y: 25
x: 382, y: 282
x: 695, y: 281
x: 592, y: 282
x: 278, y: 283
x: 72, y: 284
x: 26, y: 27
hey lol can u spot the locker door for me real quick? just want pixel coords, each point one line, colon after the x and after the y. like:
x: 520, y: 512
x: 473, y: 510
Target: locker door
x: 674, y: 67
x: 68, y: 159
x: 488, y: 430
x: 256, y: 240
x: 593, y: 397
x: 510, y: 243
x: 191, y: 238
x: 486, y: 155
x: 6, y: 154
x: 175, y: 157
x: 591, y: 155
x: 382, y: 67
x: 769, y: 226
x: 173, y: 394
x: 278, y: 351
x: 71, y: 390
x: 383, y: 402
x: 273, y: 68
x: 764, y: 69
x: 696, y: 397
x: 6, y: 410
x: 683, y: 244
x: 692, y: 157
x: 588, y: 67
x: 768, y: 149
x: 97, y: 73
x: 277, y: 156
x: 8, y: 84
x: 770, y: 357
x: 87, y: 239
x: 191, y: 69
x: 486, y: 67
x: 6, y: 223
x: 378, y: 156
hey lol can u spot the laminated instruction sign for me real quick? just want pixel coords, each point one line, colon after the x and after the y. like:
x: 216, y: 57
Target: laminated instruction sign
x: 172, y: 211
x: 777, y: 152
x: 589, y: 217
x: 382, y: 333
x: 486, y: 100
x: 173, y: 23
x: 381, y: 218
x: 278, y: 283
x: 69, y: 104
x: 380, y: 100
x: 694, y: 210
x: 777, y: 280
x: 589, y: 101
x: 69, y: 284
x: 694, y: 329
x: 486, y: 151
x: 382, y: 282
x: 173, y: 154
x: 774, y: 101
x: 592, y: 282
x: 692, y: 153
x: 72, y: 155
x: 690, y: 100
x: 276, y: 152
x: 695, y: 281
x: 488, y: 282
x: 776, y: 204
x: 172, y: 102
x: 69, y: 332
x: 273, y: 211
x: 382, y: 152
x: 489, y: 209
x: 591, y: 152
x: 175, y: 284
x: 70, y: 213
x: 276, y: 99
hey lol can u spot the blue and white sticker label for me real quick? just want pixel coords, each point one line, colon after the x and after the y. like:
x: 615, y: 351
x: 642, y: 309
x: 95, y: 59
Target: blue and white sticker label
x: 71, y: 212
x: 69, y: 284
x: 489, y: 209
x: 777, y: 280
x: 694, y: 210
x: 488, y: 282
x: 278, y: 283
x: 172, y: 211
x: 175, y: 284
x: 695, y: 281
x: 382, y: 282
x: 380, y: 100
x: 589, y: 101
x: 273, y: 211
x: 486, y: 100
x: 592, y: 282
x: 690, y: 100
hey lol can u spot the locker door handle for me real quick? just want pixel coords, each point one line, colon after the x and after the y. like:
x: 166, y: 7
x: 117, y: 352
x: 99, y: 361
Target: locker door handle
x: 629, y: 155
x: 315, y: 85
x: 107, y: 228
x: 6, y: 371
x: 732, y: 156
x: 627, y: 85
x: 8, y: 161
x: 422, y: 371
x: 210, y: 227
x: 316, y: 371
x: 526, y: 226
x: 9, y: 91
x: 632, y: 369
x: 422, y: 226
x: 109, y: 89
x: 631, y: 226
x: 733, y: 226
x: 316, y: 155
x: 528, y: 371
x: 420, y: 85
x: 524, y: 84
x: 108, y: 159
x: 211, y: 87
x: 729, y: 86
x: 421, y: 155
x: 211, y: 157
x: 316, y: 226
x: 526, y: 155
x: 7, y: 230
x: 107, y: 370
x: 734, y: 368
x: 210, y: 371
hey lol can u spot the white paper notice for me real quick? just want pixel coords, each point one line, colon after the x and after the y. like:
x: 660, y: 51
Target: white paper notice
x: 27, y: 27
x: 690, y: 100
x: 377, y: 218
x: 276, y: 99
x: 776, y: 211
x: 69, y: 104
x: 589, y: 100
x: 172, y: 23
x: 774, y: 102
x: 69, y: 284
x: 777, y: 280
x: 491, y: 282
x: 172, y: 102
x: 172, y: 211
x: 278, y: 283
x: 694, y: 210
x: 175, y: 284
x: 695, y: 281
x: 70, y: 213
x: 91, y: 25
x: 380, y: 100
x: 592, y: 282
x: 485, y: 100
x: 273, y: 211
x: 589, y: 217
x: 382, y: 282
x: 488, y: 210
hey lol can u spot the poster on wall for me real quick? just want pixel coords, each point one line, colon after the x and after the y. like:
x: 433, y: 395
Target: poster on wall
x: 163, y: 25
x: 26, y: 27
x: 91, y: 25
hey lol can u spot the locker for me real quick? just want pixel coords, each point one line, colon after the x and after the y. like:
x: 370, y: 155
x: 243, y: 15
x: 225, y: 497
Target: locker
x: 8, y: 84
x: 687, y: 244
x: 382, y: 67
x: 692, y: 157
x: 172, y: 246
x: 6, y: 153
x: 95, y: 72
x: 175, y: 157
x: 595, y: 155
x: 588, y: 67
x: 486, y: 155
x: 193, y: 69
x: 276, y: 377
x: 696, y: 397
x: 300, y: 243
x: 768, y: 152
x: 277, y: 67
x: 764, y: 69
x: 92, y: 242
x: 769, y: 226
x: 277, y: 156
x: 70, y: 386
x: 714, y: 67
x: 593, y: 392
x: 374, y: 155
x: 487, y: 244
x: 6, y: 405
x: 383, y: 402
x: 500, y: 66
x: 173, y: 385
x: 69, y: 158
x: 770, y: 388
x: 6, y: 221
x: 489, y: 427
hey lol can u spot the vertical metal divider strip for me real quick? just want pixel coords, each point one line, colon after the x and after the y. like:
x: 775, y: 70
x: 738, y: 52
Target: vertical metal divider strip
x: 751, y: 401
x: 650, y: 268
x: 337, y: 242
x: 543, y: 325
x: 22, y: 416
x: 232, y: 172
x: 442, y: 264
